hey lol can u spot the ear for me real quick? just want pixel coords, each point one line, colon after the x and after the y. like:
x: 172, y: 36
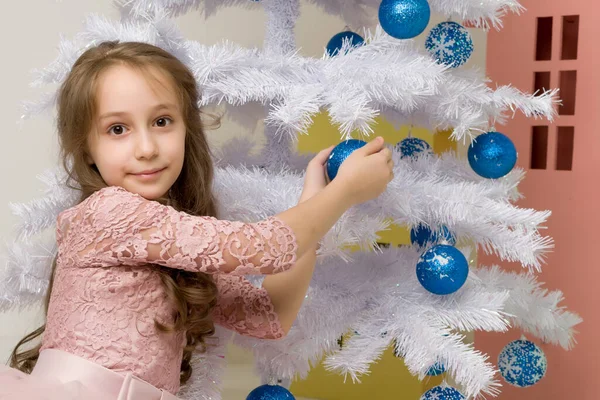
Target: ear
x: 88, y: 159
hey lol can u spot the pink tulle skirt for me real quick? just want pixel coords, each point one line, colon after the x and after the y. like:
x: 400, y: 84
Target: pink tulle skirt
x: 61, y: 376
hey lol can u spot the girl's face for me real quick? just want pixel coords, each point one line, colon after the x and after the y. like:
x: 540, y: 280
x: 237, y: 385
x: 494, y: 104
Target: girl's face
x: 138, y: 137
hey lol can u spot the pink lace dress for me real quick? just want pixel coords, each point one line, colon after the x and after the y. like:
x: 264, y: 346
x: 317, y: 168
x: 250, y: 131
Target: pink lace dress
x: 106, y: 297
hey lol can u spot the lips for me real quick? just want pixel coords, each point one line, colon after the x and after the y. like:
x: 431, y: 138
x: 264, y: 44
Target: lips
x: 149, y: 172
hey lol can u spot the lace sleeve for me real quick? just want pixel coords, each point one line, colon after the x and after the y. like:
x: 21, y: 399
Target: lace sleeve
x: 245, y: 309
x: 115, y: 227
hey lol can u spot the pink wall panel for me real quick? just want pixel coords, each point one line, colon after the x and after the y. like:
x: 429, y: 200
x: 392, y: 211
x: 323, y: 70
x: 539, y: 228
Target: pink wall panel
x: 573, y: 195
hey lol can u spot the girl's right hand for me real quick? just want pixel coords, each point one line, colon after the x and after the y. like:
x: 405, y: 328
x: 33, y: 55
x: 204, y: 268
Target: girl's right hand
x: 365, y: 174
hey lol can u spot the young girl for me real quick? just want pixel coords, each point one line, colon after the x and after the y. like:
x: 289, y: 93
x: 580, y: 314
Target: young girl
x: 144, y: 268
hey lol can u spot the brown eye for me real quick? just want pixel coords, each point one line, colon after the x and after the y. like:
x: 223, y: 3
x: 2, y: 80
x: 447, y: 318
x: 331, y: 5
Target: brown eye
x: 162, y: 122
x: 117, y: 130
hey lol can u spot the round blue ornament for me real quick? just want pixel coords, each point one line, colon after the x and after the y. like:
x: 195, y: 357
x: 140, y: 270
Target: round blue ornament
x: 442, y: 269
x: 339, y: 154
x: 413, y: 147
x: 522, y: 363
x: 492, y: 155
x: 442, y: 393
x: 436, y: 369
x: 450, y: 44
x: 335, y: 43
x: 404, y: 19
x: 423, y: 236
x: 270, y: 392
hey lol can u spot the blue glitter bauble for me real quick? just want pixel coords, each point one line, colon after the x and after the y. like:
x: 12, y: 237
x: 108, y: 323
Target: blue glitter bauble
x: 270, y: 392
x: 413, y: 147
x: 423, y: 236
x: 442, y: 269
x: 340, y: 153
x: 522, y: 363
x: 492, y: 155
x: 450, y: 44
x: 404, y: 19
x: 335, y: 43
x: 436, y: 369
x: 442, y: 393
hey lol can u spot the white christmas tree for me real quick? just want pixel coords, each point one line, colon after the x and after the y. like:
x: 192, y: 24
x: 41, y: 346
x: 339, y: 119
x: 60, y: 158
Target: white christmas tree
x: 373, y: 293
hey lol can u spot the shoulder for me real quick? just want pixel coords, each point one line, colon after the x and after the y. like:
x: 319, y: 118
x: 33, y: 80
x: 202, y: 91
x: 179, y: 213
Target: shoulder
x: 111, y: 200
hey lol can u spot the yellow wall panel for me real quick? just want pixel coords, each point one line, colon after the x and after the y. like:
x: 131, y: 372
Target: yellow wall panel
x: 388, y: 377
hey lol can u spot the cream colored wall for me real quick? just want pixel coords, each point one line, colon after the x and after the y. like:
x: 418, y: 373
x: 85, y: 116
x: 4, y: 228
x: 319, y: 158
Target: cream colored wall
x: 31, y: 35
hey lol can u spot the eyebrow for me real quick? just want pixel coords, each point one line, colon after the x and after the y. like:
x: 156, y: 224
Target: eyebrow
x: 159, y: 107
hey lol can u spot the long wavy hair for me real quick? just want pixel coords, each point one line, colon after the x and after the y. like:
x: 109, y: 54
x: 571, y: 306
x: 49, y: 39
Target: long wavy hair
x: 193, y: 294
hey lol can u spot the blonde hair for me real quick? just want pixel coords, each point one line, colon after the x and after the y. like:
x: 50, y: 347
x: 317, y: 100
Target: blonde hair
x: 193, y: 294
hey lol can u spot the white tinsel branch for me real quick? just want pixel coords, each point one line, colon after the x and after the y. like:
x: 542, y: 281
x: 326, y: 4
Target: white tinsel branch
x: 25, y: 273
x: 532, y: 308
x: 379, y: 298
x: 40, y: 214
x: 482, y: 13
x: 385, y: 75
x: 416, y: 195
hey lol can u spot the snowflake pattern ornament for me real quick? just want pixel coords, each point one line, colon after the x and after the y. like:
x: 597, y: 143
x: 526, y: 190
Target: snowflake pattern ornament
x: 436, y: 369
x: 412, y: 147
x: 442, y: 393
x: 442, y: 269
x: 522, y: 363
x: 450, y: 44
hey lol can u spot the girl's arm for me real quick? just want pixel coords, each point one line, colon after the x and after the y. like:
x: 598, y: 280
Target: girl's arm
x: 246, y: 309
x: 269, y: 312
x: 288, y: 289
x: 115, y: 227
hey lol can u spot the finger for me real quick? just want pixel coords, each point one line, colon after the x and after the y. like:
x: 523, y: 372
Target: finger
x: 374, y: 146
x: 323, y: 155
x: 387, y: 153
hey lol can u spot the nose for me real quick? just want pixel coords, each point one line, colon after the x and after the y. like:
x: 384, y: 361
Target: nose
x: 146, y: 146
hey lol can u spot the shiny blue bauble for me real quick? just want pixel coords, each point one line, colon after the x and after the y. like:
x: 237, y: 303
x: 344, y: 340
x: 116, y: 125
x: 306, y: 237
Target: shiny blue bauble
x: 442, y: 269
x: 412, y: 147
x: 270, y: 392
x: 522, y: 363
x: 404, y: 19
x: 335, y: 43
x: 423, y: 236
x: 450, y: 44
x: 492, y: 155
x: 442, y: 393
x: 339, y: 154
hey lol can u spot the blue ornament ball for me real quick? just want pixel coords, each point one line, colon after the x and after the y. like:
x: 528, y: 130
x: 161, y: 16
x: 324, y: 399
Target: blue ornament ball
x: 423, y: 236
x: 413, y: 147
x: 436, y: 369
x: 335, y: 43
x: 442, y: 393
x: 450, y: 44
x: 339, y: 154
x: 404, y: 19
x: 522, y: 363
x: 442, y: 269
x: 492, y: 155
x: 270, y: 392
